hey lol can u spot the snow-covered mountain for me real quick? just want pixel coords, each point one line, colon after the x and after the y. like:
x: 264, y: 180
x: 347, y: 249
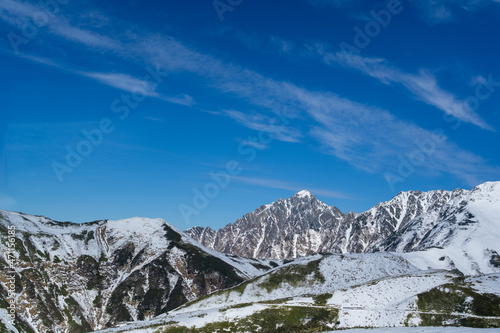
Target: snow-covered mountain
x: 327, y: 292
x: 80, y: 277
x: 400, y: 263
x: 284, y: 229
x: 459, y: 228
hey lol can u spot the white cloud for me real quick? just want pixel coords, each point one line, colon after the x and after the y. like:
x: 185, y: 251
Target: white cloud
x: 158, y: 120
x: 432, y: 11
x: 442, y: 11
x: 185, y: 100
x: 120, y: 81
x: 372, y: 139
x: 266, y: 124
x: 255, y: 144
x: 423, y: 85
x: 365, y: 136
x: 137, y: 86
x: 125, y: 82
x: 282, y: 45
x: 17, y: 13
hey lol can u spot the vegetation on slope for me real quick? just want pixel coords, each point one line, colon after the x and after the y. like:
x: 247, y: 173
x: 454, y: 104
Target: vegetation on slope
x: 456, y: 304
x: 271, y: 320
x: 293, y: 275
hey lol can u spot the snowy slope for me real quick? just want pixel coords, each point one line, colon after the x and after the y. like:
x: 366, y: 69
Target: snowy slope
x: 463, y: 234
x: 426, y: 330
x: 362, y: 290
x: 109, y: 271
x: 335, y: 272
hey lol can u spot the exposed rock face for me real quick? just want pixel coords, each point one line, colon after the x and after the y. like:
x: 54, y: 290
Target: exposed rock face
x: 303, y: 225
x: 203, y: 235
x: 283, y: 229
x: 82, y: 277
x: 411, y: 221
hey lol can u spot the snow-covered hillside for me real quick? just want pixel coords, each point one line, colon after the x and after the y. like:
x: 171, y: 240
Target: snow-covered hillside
x: 339, y: 292
x: 90, y: 275
x: 311, y: 275
x: 463, y: 234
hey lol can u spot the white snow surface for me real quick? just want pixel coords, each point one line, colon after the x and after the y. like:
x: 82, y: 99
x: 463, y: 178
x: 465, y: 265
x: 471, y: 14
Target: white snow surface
x: 424, y: 330
x: 386, y: 302
x: 339, y: 272
x: 374, y: 290
x: 486, y: 284
x: 468, y: 241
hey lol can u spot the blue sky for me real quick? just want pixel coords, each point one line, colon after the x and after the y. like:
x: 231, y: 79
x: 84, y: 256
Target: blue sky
x: 200, y: 111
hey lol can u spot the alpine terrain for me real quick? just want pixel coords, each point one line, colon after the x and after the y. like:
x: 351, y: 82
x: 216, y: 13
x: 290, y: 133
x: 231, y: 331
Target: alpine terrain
x: 81, y: 277
x: 296, y: 265
x: 459, y: 228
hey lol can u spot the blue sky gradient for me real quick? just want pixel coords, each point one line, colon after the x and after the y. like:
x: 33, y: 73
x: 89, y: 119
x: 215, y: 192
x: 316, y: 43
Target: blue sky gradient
x: 200, y: 111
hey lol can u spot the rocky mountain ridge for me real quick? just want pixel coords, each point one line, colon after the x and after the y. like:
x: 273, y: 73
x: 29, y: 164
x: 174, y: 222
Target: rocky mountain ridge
x: 411, y: 221
x: 73, y: 277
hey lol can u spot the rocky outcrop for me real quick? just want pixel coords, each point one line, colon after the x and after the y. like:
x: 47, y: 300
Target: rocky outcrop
x: 81, y: 277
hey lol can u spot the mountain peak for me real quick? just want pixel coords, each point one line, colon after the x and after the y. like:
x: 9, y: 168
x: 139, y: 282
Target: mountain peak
x: 303, y: 194
x: 302, y: 225
x: 492, y: 186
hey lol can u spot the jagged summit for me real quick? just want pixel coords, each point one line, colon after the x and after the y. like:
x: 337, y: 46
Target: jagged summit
x: 285, y: 228
x: 303, y: 194
x: 410, y: 221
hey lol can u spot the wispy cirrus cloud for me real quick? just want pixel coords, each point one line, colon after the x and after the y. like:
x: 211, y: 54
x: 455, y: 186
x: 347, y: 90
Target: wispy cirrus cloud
x: 377, y: 141
x: 270, y: 44
x: 442, y: 11
x: 17, y: 13
x: 255, y: 144
x: 266, y: 124
x: 423, y: 85
x: 372, y: 139
x: 138, y: 86
x: 125, y: 82
x: 365, y: 136
x: 432, y: 11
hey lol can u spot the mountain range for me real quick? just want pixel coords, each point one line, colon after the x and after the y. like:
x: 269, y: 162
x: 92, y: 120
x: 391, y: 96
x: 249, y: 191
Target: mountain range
x: 459, y: 225
x: 419, y: 259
